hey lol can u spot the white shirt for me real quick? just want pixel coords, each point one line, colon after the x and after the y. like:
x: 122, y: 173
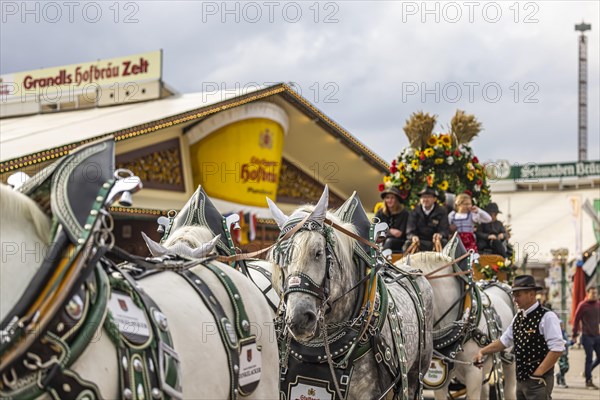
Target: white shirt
x: 549, y: 328
x: 479, y: 217
x: 427, y: 212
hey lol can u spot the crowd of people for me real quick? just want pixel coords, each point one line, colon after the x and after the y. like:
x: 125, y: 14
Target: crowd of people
x: 430, y: 223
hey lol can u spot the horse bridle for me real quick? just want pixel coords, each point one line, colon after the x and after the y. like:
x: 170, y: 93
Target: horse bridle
x: 302, y: 283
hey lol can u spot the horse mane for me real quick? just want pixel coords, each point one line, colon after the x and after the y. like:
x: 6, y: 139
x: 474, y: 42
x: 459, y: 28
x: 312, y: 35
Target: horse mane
x: 193, y: 236
x: 15, y: 207
x: 426, y: 261
x: 344, y: 245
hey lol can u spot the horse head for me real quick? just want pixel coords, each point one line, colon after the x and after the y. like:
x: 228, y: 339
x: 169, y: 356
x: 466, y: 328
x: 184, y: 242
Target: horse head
x: 317, y: 269
x: 196, y: 231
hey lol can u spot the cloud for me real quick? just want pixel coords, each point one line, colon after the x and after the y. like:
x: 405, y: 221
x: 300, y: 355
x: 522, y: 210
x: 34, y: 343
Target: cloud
x: 368, y: 65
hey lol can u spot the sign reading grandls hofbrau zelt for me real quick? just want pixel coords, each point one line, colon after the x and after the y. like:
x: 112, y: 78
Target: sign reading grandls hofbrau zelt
x: 90, y: 73
x: 96, y: 83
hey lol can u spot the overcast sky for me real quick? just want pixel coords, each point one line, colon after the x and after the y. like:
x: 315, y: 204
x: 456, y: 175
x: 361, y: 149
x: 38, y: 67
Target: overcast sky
x: 367, y: 65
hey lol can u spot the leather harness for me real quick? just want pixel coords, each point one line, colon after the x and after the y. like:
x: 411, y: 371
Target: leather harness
x: 473, y: 304
x: 66, y: 302
x: 328, y: 364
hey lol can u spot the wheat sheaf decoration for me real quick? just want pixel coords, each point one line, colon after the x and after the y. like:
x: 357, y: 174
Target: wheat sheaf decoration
x: 464, y: 127
x: 442, y: 161
x: 419, y: 128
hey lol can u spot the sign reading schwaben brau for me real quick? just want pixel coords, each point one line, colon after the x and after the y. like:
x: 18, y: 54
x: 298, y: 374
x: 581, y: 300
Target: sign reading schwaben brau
x: 557, y: 170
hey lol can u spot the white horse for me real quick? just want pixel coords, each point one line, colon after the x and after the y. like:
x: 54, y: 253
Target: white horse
x: 198, y: 223
x: 447, y: 291
x: 319, y: 282
x: 190, y: 239
x: 24, y: 235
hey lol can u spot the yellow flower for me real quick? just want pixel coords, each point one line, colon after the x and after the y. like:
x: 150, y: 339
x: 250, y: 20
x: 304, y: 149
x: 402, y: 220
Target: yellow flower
x: 386, y: 179
x: 432, y: 141
x: 378, y: 206
x: 443, y: 185
x: 429, y: 152
x: 470, y: 175
x: 446, y: 140
x: 414, y: 164
x: 438, y: 161
x: 417, y: 153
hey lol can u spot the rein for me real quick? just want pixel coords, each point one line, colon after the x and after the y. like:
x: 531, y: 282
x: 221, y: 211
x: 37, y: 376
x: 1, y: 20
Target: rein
x: 456, y: 260
x: 414, y: 246
x: 450, y: 309
x: 255, y: 254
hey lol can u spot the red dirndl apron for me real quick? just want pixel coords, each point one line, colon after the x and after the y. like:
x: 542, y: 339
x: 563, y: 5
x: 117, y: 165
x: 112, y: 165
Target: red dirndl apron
x: 468, y: 240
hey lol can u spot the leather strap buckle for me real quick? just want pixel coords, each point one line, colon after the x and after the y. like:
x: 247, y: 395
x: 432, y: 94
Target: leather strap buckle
x: 164, y: 351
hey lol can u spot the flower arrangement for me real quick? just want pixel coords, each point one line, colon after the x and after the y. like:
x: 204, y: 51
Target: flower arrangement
x: 444, y: 162
x: 492, y: 270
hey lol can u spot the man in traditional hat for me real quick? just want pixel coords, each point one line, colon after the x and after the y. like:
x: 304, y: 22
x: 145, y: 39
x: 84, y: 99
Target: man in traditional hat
x: 535, y: 333
x: 492, y: 237
x: 427, y: 223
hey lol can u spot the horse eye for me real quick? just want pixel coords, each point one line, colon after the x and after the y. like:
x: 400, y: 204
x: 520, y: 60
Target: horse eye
x: 319, y: 253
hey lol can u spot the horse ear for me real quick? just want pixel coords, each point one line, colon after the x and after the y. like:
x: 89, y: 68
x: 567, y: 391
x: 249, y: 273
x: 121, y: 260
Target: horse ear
x: 156, y: 249
x: 206, y: 248
x: 320, y: 210
x: 277, y: 214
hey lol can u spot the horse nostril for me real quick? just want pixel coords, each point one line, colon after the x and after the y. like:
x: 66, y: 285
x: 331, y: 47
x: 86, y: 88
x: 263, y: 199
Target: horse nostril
x: 309, y: 318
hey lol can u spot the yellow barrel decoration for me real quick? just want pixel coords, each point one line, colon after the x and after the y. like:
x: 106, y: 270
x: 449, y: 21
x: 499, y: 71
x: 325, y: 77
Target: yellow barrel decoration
x: 236, y: 154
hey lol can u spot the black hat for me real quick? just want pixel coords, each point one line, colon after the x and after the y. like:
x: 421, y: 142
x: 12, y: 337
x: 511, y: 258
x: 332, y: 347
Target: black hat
x: 493, y: 208
x: 391, y: 190
x: 429, y: 191
x: 525, y: 282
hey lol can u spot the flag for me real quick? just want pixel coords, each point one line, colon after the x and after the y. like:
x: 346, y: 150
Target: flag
x: 578, y: 289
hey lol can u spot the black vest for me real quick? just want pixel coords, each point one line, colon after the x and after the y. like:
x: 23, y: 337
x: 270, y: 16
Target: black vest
x: 530, y: 345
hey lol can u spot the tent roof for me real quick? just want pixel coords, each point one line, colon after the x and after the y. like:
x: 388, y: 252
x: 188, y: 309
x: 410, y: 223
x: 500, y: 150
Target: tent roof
x: 317, y: 144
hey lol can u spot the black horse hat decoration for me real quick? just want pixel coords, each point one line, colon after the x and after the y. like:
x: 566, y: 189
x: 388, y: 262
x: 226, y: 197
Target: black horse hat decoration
x: 316, y: 216
x: 352, y: 211
x: 68, y: 188
x: 455, y: 249
x: 200, y: 211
